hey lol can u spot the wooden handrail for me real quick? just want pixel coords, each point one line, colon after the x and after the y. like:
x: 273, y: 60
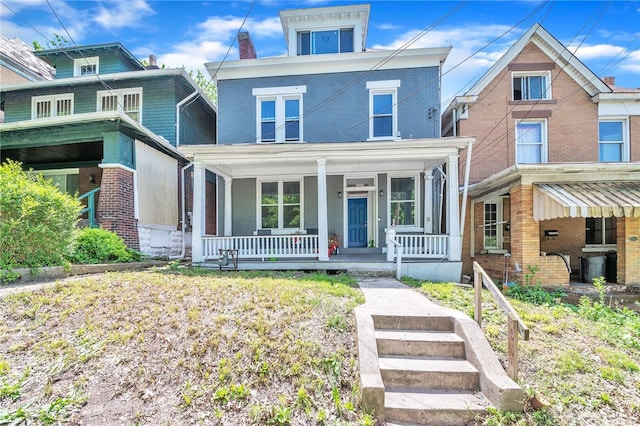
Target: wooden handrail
x: 515, y: 325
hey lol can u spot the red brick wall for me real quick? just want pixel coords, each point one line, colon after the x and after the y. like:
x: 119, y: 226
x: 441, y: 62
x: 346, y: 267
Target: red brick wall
x: 116, y: 207
x: 572, y: 127
x: 634, y: 137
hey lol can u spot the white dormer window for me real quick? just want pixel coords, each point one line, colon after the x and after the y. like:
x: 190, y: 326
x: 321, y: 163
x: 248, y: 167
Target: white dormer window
x: 328, y: 41
x: 86, y: 66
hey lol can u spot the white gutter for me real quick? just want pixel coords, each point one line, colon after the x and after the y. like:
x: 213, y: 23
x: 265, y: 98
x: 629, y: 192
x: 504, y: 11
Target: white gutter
x: 178, y: 105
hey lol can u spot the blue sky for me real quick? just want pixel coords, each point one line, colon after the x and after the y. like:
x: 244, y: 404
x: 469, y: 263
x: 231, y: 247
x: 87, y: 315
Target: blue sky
x: 605, y: 35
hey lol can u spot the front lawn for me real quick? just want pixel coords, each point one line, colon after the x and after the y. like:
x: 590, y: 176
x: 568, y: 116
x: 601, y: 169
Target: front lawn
x: 169, y: 347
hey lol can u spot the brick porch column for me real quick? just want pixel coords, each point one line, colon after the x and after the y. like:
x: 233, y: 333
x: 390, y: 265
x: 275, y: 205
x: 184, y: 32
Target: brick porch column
x: 628, y: 242
x: 525, y: 232
x: 116, y: 207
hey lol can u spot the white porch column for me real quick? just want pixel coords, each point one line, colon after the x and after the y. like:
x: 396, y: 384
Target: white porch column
x: 428, y: 201
x: 453, y: 209
x: 323, y: 231
x: 228, y: 222
x: 198, y: 218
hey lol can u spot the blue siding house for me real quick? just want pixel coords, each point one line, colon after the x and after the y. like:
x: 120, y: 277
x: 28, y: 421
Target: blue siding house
x: 110, y: 127
x: 331, y: 151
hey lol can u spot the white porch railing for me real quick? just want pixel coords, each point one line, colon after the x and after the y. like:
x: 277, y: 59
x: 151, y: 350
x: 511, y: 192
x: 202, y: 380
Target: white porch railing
x: 263, y: 246
x: 419, y: 246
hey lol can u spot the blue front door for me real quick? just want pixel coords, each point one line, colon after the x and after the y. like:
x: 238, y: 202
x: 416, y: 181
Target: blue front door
x: 357, y: 222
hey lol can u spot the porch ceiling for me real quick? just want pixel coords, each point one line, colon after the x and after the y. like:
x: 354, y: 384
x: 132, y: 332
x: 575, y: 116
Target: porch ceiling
x: 594, y: 199
x: 252, y: 160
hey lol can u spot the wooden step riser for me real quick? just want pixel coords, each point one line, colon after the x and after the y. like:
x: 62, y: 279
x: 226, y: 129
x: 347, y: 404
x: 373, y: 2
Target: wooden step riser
x: 431, y: 417
x: 430, y: 379
x: 421, y: 348
x: 391, y: 322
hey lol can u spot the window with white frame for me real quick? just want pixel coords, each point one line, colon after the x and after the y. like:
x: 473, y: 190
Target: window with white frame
x: 531, y: 141
x: 280, y: 204
x: 531, y: 86
x: 128, y: 101
x: 51, y: 105
x: 86, y: 66
x: 327, y: 41
x: 403, y: 201
x: 612, y: 140
x: 383, y: 109
x: 491, y: 225
x: 600, y: 231
x: 67, y: 180
x: 279, y: 114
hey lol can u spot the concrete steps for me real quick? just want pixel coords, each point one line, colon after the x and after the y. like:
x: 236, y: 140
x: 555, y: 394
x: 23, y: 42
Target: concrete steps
x: 427, y: 378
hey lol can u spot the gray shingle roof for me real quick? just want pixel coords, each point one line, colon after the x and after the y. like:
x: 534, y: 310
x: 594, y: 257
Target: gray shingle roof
x: 21, y: 56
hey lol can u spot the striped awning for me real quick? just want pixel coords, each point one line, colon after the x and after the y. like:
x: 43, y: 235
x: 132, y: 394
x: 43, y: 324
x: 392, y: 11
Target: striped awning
x: 584, y: 199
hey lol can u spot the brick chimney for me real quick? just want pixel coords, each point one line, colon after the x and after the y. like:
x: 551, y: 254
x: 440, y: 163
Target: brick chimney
x: 153, y: 64
x: 247, y: 51
x: 609, y: 81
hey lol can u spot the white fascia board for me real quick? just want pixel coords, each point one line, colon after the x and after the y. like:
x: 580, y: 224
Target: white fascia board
x: 328, y: 63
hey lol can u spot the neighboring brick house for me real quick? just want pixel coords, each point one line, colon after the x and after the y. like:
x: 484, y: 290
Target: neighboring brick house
x: 107, y: 122
x: 331, y: 142
x: 554, y: 169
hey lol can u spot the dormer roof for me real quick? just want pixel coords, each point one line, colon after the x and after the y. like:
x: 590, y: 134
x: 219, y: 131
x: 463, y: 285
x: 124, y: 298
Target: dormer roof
x: 77, y: 52
x: 322, y: 18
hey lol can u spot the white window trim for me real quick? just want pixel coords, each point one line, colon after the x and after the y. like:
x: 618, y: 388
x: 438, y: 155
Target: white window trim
x: 499, y: 234
x: 53, y: 99
x: 625, y: 135
x: 384, y: 87
x: 545, y: 74
x: 416, y: 220
x: 280, y: 228
x: 120, y: 93
x: 544, y: 150
x: 78, y: 63
x: 279, y: 95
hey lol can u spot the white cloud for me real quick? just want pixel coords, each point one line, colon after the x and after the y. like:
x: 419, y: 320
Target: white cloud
x: 193, y: 56
x: 122, y: 14
x: 586, y: 53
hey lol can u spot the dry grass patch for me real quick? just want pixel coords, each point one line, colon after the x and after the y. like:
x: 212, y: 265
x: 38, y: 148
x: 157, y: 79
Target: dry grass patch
x: 182, y: 347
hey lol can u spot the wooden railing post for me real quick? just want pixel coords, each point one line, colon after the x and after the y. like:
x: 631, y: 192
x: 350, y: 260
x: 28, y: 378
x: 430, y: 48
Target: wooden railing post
x: 512, y: 346
x: 477, y: 285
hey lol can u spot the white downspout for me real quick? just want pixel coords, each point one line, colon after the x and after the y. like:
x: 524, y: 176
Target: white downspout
x: 184, y: 219
x: 465, y: 190
x: 178, y: 105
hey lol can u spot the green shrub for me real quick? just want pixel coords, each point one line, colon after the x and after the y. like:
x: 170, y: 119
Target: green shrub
x: 36, y: 219
x: 536, y: 294
x: 96, y: 245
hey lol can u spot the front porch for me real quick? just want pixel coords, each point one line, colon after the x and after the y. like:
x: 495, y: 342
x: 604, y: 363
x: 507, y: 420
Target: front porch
x: 283, y: 206
x: 415, y: 255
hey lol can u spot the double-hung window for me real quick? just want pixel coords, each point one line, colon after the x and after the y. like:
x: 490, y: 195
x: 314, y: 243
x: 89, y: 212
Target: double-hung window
x: 51, y: 106
x: 531, y: 86
x: 86, y: 66
x: 280, y: 204
x: 600, y: 231
x: 327, y: 41
x: 612, y: 140
x: 403, y: 202
x: 279, y: 114
x: 128, y: 101
x: 531, y: 141
x: 383, y: 109
x: 492, y: 228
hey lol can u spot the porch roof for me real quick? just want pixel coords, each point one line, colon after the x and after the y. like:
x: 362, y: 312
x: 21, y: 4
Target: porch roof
x: 586, y: 199
x: 252, y: 160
